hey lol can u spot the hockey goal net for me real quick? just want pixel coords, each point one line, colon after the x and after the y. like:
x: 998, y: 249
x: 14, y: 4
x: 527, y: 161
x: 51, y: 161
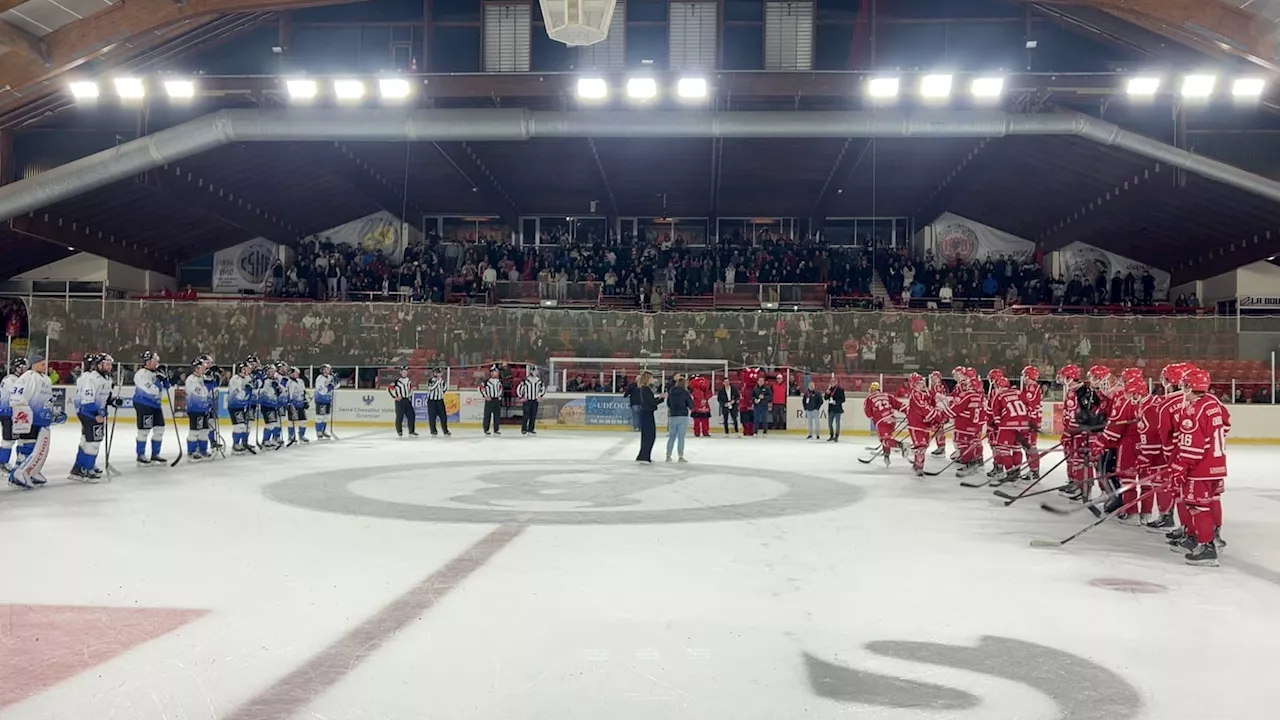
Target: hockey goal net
x: 611, y: 375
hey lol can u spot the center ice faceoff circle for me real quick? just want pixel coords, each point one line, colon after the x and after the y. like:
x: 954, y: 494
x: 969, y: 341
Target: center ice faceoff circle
x: 560, y: 492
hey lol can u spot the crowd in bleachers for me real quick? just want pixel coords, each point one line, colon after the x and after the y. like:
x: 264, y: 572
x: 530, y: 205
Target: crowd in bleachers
x: 323, y: 270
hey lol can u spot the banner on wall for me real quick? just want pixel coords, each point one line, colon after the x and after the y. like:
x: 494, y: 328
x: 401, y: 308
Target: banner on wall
x: 1087, y: 261
x: 959, y: 238
x: 608, y: 410
x: 379, y: 231
x: 244, y: 266
x: 452, y: 407
x: 1256, y: 302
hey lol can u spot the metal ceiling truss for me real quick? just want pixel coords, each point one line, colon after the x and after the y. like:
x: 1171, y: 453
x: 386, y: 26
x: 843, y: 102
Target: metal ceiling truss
x: 192, y: 191
x: 73, y: 236
x: 353, y: 170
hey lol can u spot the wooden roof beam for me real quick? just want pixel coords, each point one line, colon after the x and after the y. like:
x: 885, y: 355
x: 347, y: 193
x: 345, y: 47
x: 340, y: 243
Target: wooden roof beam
x: 23, y: 42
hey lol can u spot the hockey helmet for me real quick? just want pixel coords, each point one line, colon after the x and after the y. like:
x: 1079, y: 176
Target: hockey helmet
x: 326, y: 368
x: 915, y: 380
x: 252, y: 360
x: 149, y: 355
x: 1001, y: 382
x: 1099, y: 373
x: 206, y: 358
x: 1069, y: 373
x: 19, y: 366
x: 873, y: 387
x: 197, y: 363
x: 1136, y: 387
x: 1031, y: 373
x: 1172, y: 374
x: 1197, y: 380
x: 242, y: 367
x: 1131, y: 373
x: 935, y: 377
x: 103, y: 359
x: 958, y: 372
x: 995, y: 374
x: 405, y: 368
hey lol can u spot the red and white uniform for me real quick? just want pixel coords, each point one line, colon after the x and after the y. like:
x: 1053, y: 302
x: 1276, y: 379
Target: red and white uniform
x: 880, y: 407
x: 922, y: 416
x: 1012, y: 420
x: 1121, y: 435
x: 701, y: 407
x: 941, y: 398
x: 1200, y: 459
x: 968, y: 410
x: 1072, y: 439
x: 1033, y: 396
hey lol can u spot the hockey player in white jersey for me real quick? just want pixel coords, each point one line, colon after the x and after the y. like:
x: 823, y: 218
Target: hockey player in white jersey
x: 240, y: 400
x: 93, y: 397
x: 325, y: 385
x: 198, y: 404
x: 7, y: 436
x: 150, y: 386
x: 33, y: 413
x: 271, y: 399
x: 296, y: 404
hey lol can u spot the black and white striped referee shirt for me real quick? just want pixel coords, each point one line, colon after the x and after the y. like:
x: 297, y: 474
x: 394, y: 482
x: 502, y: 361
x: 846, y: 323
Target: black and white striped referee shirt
x: 531, y: 389
x: 435, y: 390
x: 401, y: 389
x: 491, y: 389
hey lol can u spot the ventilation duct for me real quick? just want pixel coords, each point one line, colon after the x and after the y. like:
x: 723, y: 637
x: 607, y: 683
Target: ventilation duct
x: 229, y: 126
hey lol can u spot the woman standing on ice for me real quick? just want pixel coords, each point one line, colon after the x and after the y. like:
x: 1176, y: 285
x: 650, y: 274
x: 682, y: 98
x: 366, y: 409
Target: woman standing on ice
x: 679, y: 406
x: 648, y: 406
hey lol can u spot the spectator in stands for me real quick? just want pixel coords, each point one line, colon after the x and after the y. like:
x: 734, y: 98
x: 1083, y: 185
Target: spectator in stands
x: 1148, y: 288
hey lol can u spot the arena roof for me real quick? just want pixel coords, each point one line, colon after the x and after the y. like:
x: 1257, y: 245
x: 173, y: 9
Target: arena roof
x: 1055, y: 190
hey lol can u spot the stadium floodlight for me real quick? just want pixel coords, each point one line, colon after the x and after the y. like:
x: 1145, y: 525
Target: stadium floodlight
x: 302, y: 89
x: 883, y: 88
x: 1198, y: 87
x: 987, y: 88
x: 935, y: 87
x: 692, y: 88
x: 348, y: 89
x: 394, y: 88
x: 1248, y: 87
x: 642, y: 88
x: 130, y: 88
x: 84, y: 90
x: 592, y: 88
x: 1142, y: 86
x: 180, y: 89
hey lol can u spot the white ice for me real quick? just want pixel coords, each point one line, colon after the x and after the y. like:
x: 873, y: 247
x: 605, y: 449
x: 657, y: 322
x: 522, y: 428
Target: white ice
x: 704, y: 619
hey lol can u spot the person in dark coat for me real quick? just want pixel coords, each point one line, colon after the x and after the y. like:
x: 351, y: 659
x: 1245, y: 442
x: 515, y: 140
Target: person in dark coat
x: 835, y: 409
x: 728, y: 397
x: 648, y: 406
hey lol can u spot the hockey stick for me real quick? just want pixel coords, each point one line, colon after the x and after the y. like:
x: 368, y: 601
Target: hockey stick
x: 111, y: 436
x: 174, y: 416
x: 1026, y: 492
x: 1059, y: 543
x: 333, y: 413
x: 896, y: 429
x: 1019, y: 468
x: 976, y: 443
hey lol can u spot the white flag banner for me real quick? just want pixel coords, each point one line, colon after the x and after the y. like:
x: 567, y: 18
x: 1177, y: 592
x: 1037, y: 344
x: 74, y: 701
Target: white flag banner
x: 1088, y: 261
x: 959, y: 238
x: 244, y: 266
x: 379, y: 231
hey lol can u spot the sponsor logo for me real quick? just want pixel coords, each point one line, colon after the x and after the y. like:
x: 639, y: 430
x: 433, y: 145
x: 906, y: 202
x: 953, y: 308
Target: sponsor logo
x: 367, y: 400
x: 1255, y: 301
x: 254, y: 261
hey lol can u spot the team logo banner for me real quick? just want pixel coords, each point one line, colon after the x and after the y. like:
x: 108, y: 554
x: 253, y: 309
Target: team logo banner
x: 959, y: 238
x: 379, y: 231
x: 245, y: 266
x: 1087, y: 261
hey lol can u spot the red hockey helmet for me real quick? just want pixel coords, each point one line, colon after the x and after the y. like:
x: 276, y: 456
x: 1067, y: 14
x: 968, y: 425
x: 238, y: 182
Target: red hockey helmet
x: 1197, y: 380
x: 1001, y: 382
x: 971, y: 373
x: 1069, y: 373
x: 1031, y: 372
x: 1173, y: 373
x: 935, y: 376
x: 958, y: 372
x: 1099, y: 373
x: 1136, y: 387
x: 915, y: 380
x: 1132, y: 373
x: 995, y: 374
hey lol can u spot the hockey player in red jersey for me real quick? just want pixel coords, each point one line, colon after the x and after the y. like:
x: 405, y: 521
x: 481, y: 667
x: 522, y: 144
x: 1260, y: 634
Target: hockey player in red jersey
x: 1072, y: 438
x: 1033, y: 396
x: 969, y: 412
x: 1149, y: 458
x: 993, y: 378
x: 1199, y: 467
x: 941, y: 397
x: 960, y: 378
x: 749, y: 377
x: 1120, y: 443
x: 922, y: 417
x: 1011, y: 419
x: 1167, y: 420
x: 701, y: 387
x: 880, y: 407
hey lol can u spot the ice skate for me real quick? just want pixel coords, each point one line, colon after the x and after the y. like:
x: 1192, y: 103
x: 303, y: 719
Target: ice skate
x: 938, y: 452
x: 143, y: 460
x: 1218, y: 542
x: 1186, y: 544
x: 19, y: 480
x: 1205, y: 555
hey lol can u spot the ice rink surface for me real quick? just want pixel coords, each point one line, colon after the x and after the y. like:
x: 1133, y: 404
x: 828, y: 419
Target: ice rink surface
x: 552, y: 577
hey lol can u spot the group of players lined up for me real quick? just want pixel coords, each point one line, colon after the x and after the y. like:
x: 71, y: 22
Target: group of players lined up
x: 255, y: 392
x: 1160, y: 458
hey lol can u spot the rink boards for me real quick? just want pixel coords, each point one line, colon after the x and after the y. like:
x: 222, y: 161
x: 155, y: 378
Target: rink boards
x: 577, y: 411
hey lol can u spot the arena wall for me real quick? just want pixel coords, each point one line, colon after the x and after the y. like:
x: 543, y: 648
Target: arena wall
x: 1252, y: 424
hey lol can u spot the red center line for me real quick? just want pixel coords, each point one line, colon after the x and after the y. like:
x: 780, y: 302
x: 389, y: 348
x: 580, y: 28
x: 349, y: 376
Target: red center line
x: 299, y: 688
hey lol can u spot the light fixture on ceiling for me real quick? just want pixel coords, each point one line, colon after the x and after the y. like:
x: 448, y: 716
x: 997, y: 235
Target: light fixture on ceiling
x: 180, y: 89
x: 691, y: 88
x: 348, y: 89
x: 1251, y: 87
x: 84, y: 90
x: 935, y: 87
x: 130, y: 88
x: 1142, y: 86
x: 394, y: 88
x: 987, y: 88
x: 1198, y: 87
x: 642, y: 88
x: 883, y: 88
x: 302, y: 88
x: 592, y: 88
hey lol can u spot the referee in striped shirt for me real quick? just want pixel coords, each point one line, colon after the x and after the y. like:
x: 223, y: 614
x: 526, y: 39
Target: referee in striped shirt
x: 435, y: 403
x: 530, y: 391
x: 402, y: 391
x: 491, y: 391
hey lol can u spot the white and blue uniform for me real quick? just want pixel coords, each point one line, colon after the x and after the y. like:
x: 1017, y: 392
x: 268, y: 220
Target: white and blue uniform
x: 93, y: 393
x: 149, y: 387
x: 33, y: 413
x: 324, y: 402
x: 199, y: 402
x: 240, y: 398
x: 271, y: 399
x: 7, y: 438
x: 295, y: 391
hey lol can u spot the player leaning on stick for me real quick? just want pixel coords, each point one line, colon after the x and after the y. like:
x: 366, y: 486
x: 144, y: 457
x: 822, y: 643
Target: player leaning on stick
x: 93, y: 397
x: 33, y: 413
x: 325, y: 384
x: 1199, y: 469
x: 239, y: 406
x: 198, y: 403
x: 297, y: 404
